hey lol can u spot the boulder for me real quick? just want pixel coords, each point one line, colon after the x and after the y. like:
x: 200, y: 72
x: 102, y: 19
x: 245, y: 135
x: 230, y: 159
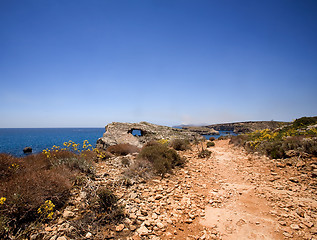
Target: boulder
x: 27, y: 150
x: 117, y: 133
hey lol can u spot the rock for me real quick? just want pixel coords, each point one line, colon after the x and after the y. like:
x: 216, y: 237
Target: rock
x: 293, y: 179
x: 294, y: 226
x: 202, y: 130
x: 122, y: 133
x: 291, y: 153
x: 143, y: 231
x: 27, y: 150
x: 61, y: 238
x: 119, y: 228
x: 68, y: 214
x: 158, y: 197
x: 88, y: 235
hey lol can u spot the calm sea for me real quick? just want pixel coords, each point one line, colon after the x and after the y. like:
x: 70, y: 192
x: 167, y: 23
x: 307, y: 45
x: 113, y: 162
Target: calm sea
x: 13, y: 140
x: 221, y: 133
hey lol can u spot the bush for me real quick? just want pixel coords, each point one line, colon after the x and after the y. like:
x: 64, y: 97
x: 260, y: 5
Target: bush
x: 161, y: 157
x: 123, y: 149
x: 212, y: 139
x: 204, y: 153
x: 180, y: 144
x: 26, y: 184
x: 109, y: 207
x: 139, y: 169
x: 210, y: 144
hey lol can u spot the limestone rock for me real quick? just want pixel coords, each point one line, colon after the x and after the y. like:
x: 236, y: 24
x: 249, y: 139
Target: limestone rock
x: 122, y: 133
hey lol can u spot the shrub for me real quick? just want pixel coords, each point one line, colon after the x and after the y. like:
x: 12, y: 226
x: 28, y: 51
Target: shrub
x: 122, y: 149
x: 140, y: 168
x: 212, y: 139
x: 210, y: 144
x: 161, y: 157
x: 109, y: 207
x: 26, y: 184
x: 180, y: 144
x: 204, y: 153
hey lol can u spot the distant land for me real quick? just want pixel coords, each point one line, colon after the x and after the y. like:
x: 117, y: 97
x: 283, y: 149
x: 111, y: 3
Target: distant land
x: 236, y: 127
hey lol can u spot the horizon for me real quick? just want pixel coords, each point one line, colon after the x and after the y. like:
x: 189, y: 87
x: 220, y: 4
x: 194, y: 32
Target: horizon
x: 80, y: 64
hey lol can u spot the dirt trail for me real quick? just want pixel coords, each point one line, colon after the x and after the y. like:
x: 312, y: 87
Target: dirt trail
x: 249, y: 197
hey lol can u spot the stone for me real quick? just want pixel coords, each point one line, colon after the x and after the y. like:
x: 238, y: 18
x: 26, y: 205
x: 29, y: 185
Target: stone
x: 27, y: 150
x: 120, y: 227
x: 143, y: 231
x: 294, y: 226
x: 88, y: 235
x: 122, y: 133
x: 61, y: 238
x: 68, y: 214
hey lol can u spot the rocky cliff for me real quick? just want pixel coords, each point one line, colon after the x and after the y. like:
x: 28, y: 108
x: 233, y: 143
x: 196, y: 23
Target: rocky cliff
x: 117, y: 133
x: 201, y: 130
x: 247, y: 127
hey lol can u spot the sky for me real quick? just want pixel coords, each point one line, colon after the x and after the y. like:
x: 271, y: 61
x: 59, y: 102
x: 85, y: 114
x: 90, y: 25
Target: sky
x: 86, y: 63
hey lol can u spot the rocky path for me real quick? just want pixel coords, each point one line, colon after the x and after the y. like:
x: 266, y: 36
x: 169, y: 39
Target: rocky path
x: 230, y: 195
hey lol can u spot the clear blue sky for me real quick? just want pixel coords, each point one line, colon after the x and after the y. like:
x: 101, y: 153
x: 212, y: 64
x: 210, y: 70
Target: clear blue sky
x: 86, y: 63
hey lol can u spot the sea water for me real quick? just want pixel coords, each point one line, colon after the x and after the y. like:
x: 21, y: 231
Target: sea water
x: 221, y: 133
x: 13, y: 140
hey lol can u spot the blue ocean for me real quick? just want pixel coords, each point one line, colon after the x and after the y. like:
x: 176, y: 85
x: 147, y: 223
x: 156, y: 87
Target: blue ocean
x: 13, y: 140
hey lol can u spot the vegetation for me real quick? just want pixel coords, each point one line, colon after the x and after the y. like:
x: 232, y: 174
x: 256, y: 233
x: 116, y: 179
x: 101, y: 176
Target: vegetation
x: 210, y: 144
x: 204, y: 153
x: 122, y: 149
x: 162, y: 158
x: 300, y: 136
x: 180, y: 144
x: 34, y: 187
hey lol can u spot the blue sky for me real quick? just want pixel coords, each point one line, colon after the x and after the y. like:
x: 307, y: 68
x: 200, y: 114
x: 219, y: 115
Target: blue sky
x: 86, y: 63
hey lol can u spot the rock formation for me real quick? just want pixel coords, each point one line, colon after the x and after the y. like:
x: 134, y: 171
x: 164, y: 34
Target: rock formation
x: 117, y: 133
x: 202, y: 130
x: 246, y: 127
x: 27, y: 150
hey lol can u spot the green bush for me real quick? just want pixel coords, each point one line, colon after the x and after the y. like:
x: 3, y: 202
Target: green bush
x: 210, y: 144
x: 180, y: 144
x: 161, y: 157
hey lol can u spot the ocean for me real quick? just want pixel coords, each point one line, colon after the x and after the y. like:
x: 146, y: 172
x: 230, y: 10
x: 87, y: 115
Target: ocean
x: 13, y: 140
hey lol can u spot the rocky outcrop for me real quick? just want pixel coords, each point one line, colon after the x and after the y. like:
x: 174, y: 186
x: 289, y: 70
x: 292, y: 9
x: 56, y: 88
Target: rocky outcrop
x: 27, y: 150
x: 117, y: 133
x: 247, y: 127
x: 202, y: 130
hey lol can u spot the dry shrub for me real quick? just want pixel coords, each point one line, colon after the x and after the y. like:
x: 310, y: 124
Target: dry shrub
x: 180, y: 144
x: 210, y: 144
x: 212, y: 139
x: 123, y: 149
x: 204, y: 153
x: 162, y: 158
x: 139, y: 169
x: 27, y: 183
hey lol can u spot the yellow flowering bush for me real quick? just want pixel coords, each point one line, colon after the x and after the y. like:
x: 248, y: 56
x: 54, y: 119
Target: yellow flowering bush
x: 46, y: 210
x: 2, y: 200
x: 163, y: 141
